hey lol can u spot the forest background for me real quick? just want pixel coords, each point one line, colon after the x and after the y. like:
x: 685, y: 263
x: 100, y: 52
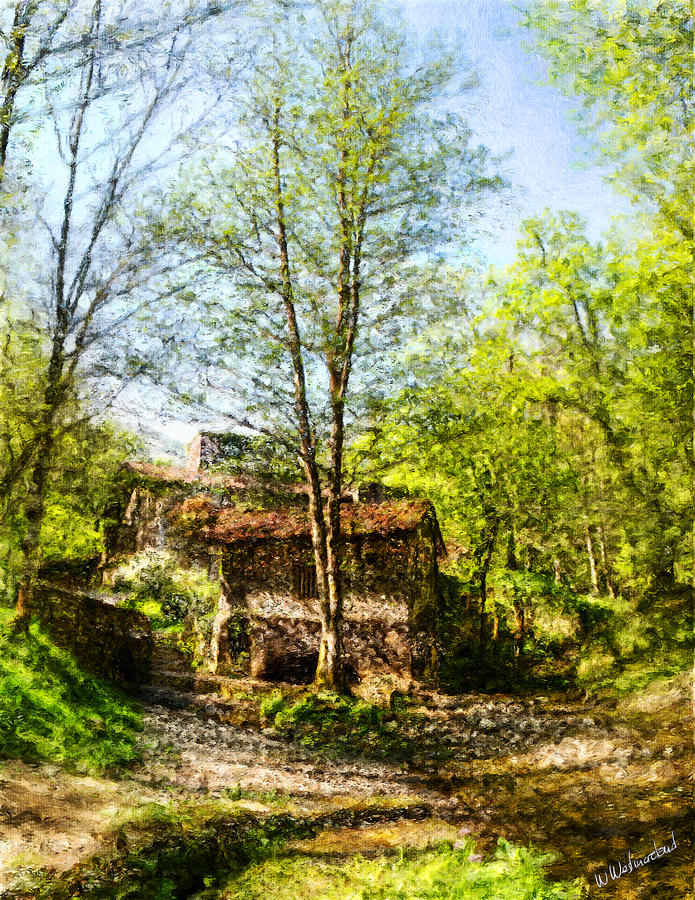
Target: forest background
x: 198, y: 167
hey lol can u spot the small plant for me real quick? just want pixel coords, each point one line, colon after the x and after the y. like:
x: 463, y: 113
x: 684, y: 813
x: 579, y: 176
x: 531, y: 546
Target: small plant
x: 335, y: 724
x: 272, y: 705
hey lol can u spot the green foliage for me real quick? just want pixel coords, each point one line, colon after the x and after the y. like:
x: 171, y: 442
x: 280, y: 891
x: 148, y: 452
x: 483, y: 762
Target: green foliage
x: 169, y: 852
x: 86, y: 465
x: 67, y: 533
x: 256, y: 454
x: 631, y: 64
x: 164, y: 591
x: 625, y: 651
x: 543, y: 657
x: 335, y: 724
x: 272, y: 705
x: 445, y: 873
x: 51, y: 710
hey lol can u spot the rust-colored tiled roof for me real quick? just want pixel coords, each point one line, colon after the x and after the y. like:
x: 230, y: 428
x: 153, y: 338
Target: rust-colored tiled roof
x: 234, y: 525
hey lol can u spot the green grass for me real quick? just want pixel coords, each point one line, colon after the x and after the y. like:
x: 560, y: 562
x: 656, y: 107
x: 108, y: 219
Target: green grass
x: 334, y: 724
x: 52, y: 710
x: 444, y: 873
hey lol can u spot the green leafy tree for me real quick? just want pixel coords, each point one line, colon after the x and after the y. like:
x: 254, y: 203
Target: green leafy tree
x: 603, y: 327
x: 344, y: 172
x: 632, y: 66
x: 482, y: 444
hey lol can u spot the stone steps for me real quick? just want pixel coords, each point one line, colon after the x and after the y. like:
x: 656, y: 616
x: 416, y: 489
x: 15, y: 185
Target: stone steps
x: 224, y: 698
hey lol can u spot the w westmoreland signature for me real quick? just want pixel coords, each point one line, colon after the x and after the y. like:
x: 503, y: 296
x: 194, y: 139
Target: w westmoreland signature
x: 620, y: 869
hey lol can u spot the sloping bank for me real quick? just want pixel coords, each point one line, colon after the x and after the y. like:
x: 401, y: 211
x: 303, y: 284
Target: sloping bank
x: 51, y: 709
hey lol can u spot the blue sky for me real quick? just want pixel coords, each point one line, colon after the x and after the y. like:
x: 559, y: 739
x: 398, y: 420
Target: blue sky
x: 551, y: 164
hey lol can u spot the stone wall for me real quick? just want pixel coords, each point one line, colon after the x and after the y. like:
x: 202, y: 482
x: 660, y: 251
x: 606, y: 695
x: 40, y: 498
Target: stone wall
x: 106, y: 639
x: 390, y: 606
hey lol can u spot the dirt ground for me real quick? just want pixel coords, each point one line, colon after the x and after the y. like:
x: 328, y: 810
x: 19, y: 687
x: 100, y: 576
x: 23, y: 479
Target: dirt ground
x: 591, y: 783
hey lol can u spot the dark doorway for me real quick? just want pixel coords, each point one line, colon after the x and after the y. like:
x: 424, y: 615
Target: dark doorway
x: 293, y: 667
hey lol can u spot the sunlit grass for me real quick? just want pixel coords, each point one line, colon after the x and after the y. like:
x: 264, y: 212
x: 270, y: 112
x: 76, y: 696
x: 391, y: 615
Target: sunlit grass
x: 52, y: 710
x: 444, y: 873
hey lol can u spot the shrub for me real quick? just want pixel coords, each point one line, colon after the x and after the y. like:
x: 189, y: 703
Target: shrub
x: 165, y: 592
x: 335, y: 724
x: 443, y: 873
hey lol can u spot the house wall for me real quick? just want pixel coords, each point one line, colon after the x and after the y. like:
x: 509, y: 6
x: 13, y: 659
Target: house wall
x: 262, y: 626
x: 142, y: 523
x: 390, y: 602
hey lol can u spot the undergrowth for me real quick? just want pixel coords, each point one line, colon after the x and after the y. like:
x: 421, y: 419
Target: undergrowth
x: 337, y: 725
x: 443, y: 873
x: 52, y: 710
x: 167, y: 852
x: 212, y: 851
x: 641, y: 644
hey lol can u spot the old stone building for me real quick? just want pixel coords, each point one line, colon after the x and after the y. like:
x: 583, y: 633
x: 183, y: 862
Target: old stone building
x: 267, y: 621
x: 268, y: 600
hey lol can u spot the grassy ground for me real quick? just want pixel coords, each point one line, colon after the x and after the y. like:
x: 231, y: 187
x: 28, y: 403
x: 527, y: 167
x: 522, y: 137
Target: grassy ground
x: 51, y: 710
x: 444, y: 873
x: 215, y: 851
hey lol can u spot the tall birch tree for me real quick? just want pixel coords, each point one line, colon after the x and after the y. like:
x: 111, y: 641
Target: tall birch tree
x: 96, y: 261
x: 345, y: 170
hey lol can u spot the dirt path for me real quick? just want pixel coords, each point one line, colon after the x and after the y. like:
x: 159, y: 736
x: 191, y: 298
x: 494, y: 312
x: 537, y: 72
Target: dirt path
x: 190, y: 753
x: 590, y: 783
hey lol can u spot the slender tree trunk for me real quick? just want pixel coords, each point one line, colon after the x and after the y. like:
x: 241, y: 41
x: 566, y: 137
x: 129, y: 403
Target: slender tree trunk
x: 520, y: 617
x: 330, y: 671
x: 31, y: 544
x: 324, y: 536
x: 488, y: 550
x: 12, y: 75
x: 9, y: 579
x: 35, y: 505
x: 605, y: 562
x: 592, y: 560
x: 330, y: 668
x: 495, y: 631
x: 519, y: 612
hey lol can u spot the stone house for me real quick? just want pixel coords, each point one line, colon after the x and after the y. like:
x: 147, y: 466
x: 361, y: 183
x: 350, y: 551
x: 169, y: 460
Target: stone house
x: 267, y: 621
x: 268, y: 598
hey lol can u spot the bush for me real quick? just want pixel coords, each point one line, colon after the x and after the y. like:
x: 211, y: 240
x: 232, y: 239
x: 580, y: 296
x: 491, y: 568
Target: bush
x: 165, y: 592
x: 335, y: 724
